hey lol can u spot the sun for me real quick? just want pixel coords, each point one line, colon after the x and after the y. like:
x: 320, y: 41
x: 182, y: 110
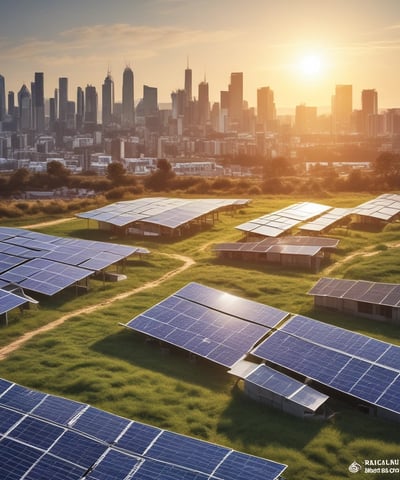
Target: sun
x: 311, y: 65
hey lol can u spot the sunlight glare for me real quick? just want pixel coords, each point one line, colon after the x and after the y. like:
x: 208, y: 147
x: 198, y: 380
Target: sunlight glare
x: 311, y: 65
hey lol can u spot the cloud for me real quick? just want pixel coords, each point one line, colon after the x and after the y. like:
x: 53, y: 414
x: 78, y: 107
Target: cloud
x: 101, y: 40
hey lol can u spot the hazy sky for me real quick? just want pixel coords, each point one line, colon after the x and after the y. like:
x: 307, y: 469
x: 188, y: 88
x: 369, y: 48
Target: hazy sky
x: 299, y: 48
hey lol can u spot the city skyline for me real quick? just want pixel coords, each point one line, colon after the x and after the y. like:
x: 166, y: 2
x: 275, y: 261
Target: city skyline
x: 300, y: 51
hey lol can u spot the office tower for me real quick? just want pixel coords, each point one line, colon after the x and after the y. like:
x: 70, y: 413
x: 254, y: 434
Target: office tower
x: 188, y: 84
x: 71, y: 115
x: 2, y: 98
x: 107, y: 100
x: 52, y: 114
x: 266, y: 112
x: 128, y: 106
x: 62, y: 98
x: 11, y: 103
x: 25, y: 109
x: 369, y: 110
x: 306, y: 119
x: 203, y: 103
x: 38, y: 103
x: 236, y: 100
x: 80, y: 108
x: 342, y: 108
x: 90, y: 118
x: 150, y: 101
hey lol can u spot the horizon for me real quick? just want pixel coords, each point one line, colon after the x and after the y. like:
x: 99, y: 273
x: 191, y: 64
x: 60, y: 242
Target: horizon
x: 300, y: 51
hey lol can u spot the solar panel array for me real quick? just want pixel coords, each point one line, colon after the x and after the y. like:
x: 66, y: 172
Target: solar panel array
x: 162, y: 211
x: 387, y: 294
x: 360, y: 366
x: 47, y: 264
x: 281, y: 221
x: 326, y: 220
x: 209, y: 323
x: 385, y: 207
x: 9, y: 301
x: 48, y: 437
x: 294, y: 245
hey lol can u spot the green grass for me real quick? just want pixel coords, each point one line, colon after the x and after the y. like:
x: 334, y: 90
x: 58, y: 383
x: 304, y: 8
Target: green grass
x: 92, y: 359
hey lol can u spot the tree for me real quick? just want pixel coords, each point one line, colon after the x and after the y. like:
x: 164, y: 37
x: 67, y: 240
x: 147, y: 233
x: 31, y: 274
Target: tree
x: 387, y: 168
x: 57, y: 174
x: 277, y: 167
x: 160, y: 179
x: 19, y: 180
x: 116, y: 173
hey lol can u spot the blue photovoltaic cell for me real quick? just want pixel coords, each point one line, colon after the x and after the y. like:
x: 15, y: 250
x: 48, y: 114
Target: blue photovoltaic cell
x: 272, y: 380
x: 101, y: 424
x: 391, y: 357
x: 391, y: 398
x: 151, y: 470
x: 16, y: 459
x: 33, y: 431
x: 21, y: 398
x: 78, y: 449
x: 232, y: 305
x: 4, y: 385
x: 373, y: 383
x: 58, y: 409
x: 115, y: 465
x: 350, y: 374
x: 138, y: 437
x: 187, y: 452
x: 238, y: 466
x: 52, y: 468
x: 8, y: 418
x: 9, y: 301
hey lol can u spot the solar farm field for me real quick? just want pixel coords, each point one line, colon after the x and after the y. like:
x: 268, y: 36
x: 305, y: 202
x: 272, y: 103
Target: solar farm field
x: 91, y: 358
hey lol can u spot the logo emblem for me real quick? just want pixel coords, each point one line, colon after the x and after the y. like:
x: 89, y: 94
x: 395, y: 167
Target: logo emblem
x: 354, y: 467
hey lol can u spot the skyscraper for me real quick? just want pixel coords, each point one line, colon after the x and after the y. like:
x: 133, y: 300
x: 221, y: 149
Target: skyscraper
x: 236, y: 100
x: 204, y: 103
x: 80, y: 107
x: 342, y: 108
x: 128, y: 106
x: 150, y: 101
x: 38, y: 103
x: 188, y: 83
x: 90, y: 106
x: 2, y: 98
x: 107, y: 100
x: 266, y: 112
x: 62, y: 98
x: 369, y: 110
x: 25, y: 109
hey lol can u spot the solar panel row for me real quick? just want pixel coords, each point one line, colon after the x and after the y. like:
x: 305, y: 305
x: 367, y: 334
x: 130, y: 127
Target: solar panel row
x: 209, y: 323
x: 47, y: 264
x: 358, y: 290
x: 385, y: 207
x: 162, y: 211
x: 363, y: 367
x: 44, y: 436
x: 276, y: 223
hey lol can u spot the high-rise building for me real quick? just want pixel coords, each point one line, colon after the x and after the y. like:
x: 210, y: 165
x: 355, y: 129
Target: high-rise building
x: 24, y: 109
x: 203, y: 103
x: 306, y: 119
x: 188, y: 83
x: 369, y: 110
x: 62, y: 98
x: 128, y: 106
x: 342, y: 108
x: 236, y: 100
x: 11, y: 103
x: 266, y: 112
x: 90, y: 118
x: 2, y: 98
x: 80, y: 108
x: 38, y: 103
x: 150, y: 101
x: 107, y: 100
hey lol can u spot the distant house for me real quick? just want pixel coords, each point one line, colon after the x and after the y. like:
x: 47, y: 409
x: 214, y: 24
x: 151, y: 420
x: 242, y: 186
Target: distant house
x: 377, y: 301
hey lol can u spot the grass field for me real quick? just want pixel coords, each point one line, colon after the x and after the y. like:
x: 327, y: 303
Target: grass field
x: 92, y: 359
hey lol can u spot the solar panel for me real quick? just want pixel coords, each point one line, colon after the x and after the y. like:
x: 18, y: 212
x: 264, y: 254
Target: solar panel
x: 276, y: 223
x: 64, y: 440
x: 209, y: 323
x: 385, y: 207
x: 9, y: 301
x: 352, y: 363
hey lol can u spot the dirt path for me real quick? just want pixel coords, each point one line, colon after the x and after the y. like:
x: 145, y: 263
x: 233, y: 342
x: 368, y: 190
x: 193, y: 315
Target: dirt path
x: 51, y: 222
x: 12, y: 347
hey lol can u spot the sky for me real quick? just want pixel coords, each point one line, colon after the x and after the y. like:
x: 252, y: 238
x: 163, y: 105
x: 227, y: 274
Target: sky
x: 301, y: 49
